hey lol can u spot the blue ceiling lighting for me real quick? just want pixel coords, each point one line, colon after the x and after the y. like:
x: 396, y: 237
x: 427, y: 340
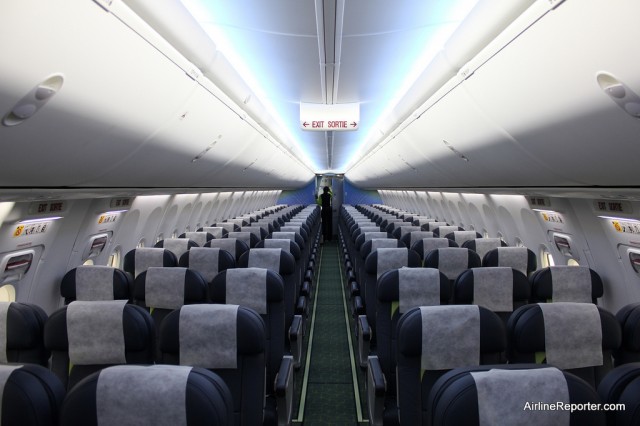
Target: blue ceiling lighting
x: 274, y: 47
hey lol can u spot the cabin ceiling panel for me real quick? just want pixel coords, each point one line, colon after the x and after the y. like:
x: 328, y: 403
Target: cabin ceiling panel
x: 543, y: 90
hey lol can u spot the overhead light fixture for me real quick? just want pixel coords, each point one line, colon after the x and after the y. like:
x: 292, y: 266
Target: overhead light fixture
x: 621, y: 219
x: 115, y: 212
x: 39, y: 220
x: 545, y: 211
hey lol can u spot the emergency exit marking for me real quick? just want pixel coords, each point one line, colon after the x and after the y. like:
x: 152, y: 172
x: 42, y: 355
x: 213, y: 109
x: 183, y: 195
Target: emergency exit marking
x: 31, y: 229
x: 107, y: 218
x: 552, y: 217
x: 626, y: 227
x: 334, y: 117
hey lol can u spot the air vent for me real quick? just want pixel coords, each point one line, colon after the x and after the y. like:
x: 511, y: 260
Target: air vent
x: 96, y: 245
x: 634, y: 258
x: 564, y: 245
x: 15, y: 265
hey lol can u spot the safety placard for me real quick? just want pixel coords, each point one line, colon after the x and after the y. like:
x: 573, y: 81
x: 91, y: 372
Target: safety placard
x: 27, y: 230
x: 108, y: 218
x: 552, y: 217
x: 626, y: 227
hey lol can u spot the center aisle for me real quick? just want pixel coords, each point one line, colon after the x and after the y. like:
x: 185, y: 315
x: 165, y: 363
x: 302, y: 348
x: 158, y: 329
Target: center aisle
x: 330, y: 396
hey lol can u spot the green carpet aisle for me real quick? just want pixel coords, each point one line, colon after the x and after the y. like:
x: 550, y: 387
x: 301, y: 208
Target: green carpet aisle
x: 329, y: 397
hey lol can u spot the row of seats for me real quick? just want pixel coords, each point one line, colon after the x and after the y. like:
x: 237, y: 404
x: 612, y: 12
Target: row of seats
x: 241, y: 336
x: 579, y: 337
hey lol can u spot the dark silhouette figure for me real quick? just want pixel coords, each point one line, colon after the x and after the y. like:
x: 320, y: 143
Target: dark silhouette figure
x: 325, y: 202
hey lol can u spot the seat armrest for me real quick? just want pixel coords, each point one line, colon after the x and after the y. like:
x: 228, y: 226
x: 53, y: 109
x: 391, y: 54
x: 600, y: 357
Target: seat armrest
x: 295, y: 340
x: 358, y: 306
x: 364, y: 339
x: 283, y: 387
x: 376, y: 391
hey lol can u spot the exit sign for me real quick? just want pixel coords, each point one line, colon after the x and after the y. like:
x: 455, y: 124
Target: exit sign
x: 329, y: 118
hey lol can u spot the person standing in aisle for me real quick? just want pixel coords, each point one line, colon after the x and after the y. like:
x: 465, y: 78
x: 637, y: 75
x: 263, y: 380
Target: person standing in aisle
x: 324, y: 200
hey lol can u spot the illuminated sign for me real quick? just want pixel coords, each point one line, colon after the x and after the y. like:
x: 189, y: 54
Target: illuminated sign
x: 326, y: 118
x: 47, y: 207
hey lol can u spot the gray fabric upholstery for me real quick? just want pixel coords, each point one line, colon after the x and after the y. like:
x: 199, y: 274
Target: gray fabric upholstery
x: 430, y: 244
x: 419, y: 235
x: 514, y: 257
x: 374, y: 235
x: 177, y: 246
x: 205, y: 260
x: 95, y: 333
x: 418, y: 287
x: 4, y: 310
x: 390, y: 258
x: 278, y: 244
x: 483, y: 245
x: 445, y: 230
x: 200, y: 238
x: 433, y: 225
x: 146, y: 257
x: 573, y: 334
x: 386, y: 243
x: 452, y: 261
x: 461, y: 236
x: 253, y: 291
x: 216, y: 231
x: 94, y: 283
x: 503, y: 394
x: 450, y: 336
x: 229, y: 226
x: 284, y: 235
x: 164, y: 287
x: 245, y: 237
x: 255, y: 230
x: 493, y: 288
x: 228, y: 244
x: 268, y: 258
x: 408, y: 229
x: 571, y: 284
x: 208, y: 336
x: 147, y: 397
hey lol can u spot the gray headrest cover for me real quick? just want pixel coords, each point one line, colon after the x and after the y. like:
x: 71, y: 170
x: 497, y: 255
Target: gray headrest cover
x: 418, y: 287
x: 571, y: 284
x: 483, y: 245
x: 164, y: 287
x: 245, y: 237
x: 364, y: 229
x: 434, y: 225
x: 493, y: 288
x: 503, y: 396
x: 378, y: 243
x: 200, y: 238
x: 450, y: 336
x: 95, y: 332
x: 146, y: 257
x: 461, y: 236
x: 247, y: 287
x: 268, y: 258
x: 278, y: 244
x: 94, y: 283
x: 133, y: 395
x: 4, y: 310
x: 290, y: 228
x: 229, y: 226
x: 407, y: 229
x: 205, y: 260
x: 514, y: 257
x: 573, y: 334
x: 208, y: 336
x: 391, y: 258
x: 255, y: 230
x: 5, y: 372
x: 419, y: 235
x: 228, y: 244
x: 430, y: 244
x: 446, y: 230
x: 216, y: 231
x: 284, y: 235
x: 371, y: 235
x: 177, y: 246
x: 453, y: 261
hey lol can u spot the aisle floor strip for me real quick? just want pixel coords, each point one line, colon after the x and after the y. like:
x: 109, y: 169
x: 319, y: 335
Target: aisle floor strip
x: 305, y: 380
x: 354, y: 367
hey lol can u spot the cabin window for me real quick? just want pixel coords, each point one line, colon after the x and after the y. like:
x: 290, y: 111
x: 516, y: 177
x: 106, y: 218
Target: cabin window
x: 546, y: 257
x: 88, y: 262
x: 141, y: 243
x: 160, y: 237
x: 174, y: 234
x: 471, y: 228
x: 572, y: 262
x: 188, y: 229
x: 7, y: 293
x: 485, y: 233
x: 114, y: 258
x: 517, y: 242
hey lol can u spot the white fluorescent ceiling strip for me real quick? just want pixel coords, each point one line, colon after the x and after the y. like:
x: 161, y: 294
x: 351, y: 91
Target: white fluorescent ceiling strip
x: 42, y: 219
x: 621, y: 219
